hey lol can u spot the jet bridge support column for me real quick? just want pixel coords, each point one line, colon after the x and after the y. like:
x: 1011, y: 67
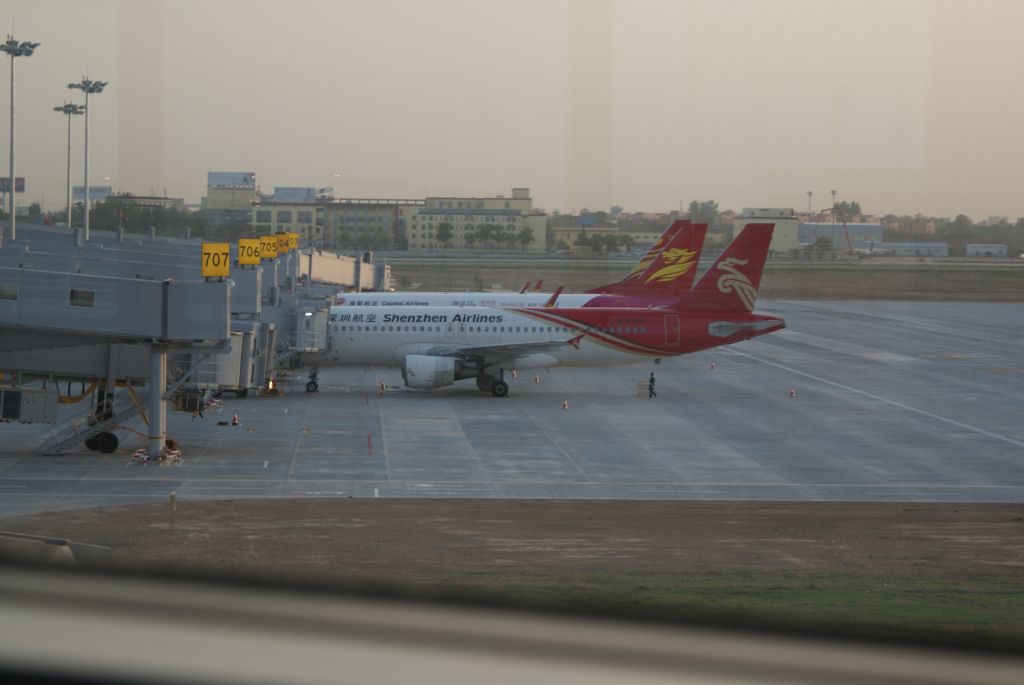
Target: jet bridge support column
x: 157, y: 415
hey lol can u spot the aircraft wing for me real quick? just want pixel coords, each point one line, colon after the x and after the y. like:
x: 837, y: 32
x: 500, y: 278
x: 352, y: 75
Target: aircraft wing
x: 502, y: 351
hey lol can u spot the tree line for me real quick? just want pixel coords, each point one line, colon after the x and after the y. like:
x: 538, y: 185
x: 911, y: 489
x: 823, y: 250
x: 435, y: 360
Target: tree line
x: 486, y: 235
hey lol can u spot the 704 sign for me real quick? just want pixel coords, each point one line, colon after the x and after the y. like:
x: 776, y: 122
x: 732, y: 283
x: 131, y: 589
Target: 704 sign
x: 216, y: 260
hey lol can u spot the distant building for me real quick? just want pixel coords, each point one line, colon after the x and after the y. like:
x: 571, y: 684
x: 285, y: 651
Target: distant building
x: 507, y: 215
x: 379, y: 223
x: 916, y: 249
x: 229, y: 198
x: 985, y: 250
x: 96, y: 193
x: 176, y: 203
x: 568, y: 235
x: 365, y: 223
x: 785, y: 237
x: 293, y: 194
x: 304, y: 218
x: 863, y: 236
x: 335, y: 224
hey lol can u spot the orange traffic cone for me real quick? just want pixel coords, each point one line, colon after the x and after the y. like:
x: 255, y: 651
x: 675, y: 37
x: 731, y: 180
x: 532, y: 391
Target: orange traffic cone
x: 792, y: 392
x: 565, y: 405
x: 712, y: 366
x: 536, y: 378
x: 234, y: 419
x: 514, y: 375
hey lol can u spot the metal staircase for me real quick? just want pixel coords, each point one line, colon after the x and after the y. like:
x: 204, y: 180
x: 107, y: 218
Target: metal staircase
x: 76, y: 430
x: 285, y: 349
x: 82, y: 427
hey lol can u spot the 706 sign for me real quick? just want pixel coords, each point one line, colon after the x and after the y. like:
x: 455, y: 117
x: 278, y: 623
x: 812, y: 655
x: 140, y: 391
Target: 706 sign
x: 249, y: 251
x: 216, y: 260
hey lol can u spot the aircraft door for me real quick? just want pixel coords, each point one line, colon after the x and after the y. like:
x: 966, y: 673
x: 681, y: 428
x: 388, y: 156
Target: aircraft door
x: 449, y: 331
x: 462, y: 331
x: 671, y: 329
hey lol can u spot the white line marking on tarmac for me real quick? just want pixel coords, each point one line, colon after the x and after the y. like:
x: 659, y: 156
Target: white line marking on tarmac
x: 894, y: 403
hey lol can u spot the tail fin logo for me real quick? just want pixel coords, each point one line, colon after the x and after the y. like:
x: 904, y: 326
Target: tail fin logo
x: 645, y: 262
x: 734, y: 280
x: 678, y: 262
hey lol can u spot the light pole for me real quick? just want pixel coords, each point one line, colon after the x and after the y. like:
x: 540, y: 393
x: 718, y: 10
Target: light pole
x: 14, y: 49
x: 87, y: 86
x: 69, y: 109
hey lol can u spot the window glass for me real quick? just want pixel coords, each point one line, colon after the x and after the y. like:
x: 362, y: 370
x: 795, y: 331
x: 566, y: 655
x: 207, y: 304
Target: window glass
x: 82, y: 298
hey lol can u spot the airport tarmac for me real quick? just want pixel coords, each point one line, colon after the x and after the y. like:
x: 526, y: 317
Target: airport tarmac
x: 894, y: 401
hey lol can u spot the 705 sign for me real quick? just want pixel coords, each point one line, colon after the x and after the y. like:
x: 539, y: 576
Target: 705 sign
x: 216, y: 260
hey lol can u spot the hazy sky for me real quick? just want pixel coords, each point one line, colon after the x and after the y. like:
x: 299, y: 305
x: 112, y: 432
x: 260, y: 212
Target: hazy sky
x: 906, y: 106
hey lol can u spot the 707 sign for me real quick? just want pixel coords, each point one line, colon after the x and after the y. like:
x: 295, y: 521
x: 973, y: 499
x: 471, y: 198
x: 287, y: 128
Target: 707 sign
x: 216, y: 260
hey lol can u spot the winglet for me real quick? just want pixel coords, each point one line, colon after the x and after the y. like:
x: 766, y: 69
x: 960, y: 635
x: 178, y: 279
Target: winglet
x: 575, y: 342
x: 554, y: 297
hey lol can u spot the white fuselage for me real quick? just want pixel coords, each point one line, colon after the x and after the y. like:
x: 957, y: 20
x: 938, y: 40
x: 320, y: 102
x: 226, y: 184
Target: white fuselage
x: 385, y: 335
x: 457, y: 299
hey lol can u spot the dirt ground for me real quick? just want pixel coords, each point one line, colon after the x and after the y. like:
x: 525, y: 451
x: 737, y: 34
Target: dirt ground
x: 949, y: 574
x: 407, y: 540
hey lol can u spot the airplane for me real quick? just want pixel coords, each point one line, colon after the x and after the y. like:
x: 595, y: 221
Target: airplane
x: 663, y: 274
x: 436, y: 346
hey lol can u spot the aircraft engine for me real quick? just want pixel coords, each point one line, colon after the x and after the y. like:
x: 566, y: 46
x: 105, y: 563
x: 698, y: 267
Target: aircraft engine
x: 425, y: 372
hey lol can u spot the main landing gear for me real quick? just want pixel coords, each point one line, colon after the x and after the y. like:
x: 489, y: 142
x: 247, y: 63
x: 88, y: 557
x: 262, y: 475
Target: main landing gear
x: 496, y: 386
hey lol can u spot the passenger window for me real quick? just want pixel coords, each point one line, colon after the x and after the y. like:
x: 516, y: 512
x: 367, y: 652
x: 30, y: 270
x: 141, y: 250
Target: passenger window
x: 82, y: 298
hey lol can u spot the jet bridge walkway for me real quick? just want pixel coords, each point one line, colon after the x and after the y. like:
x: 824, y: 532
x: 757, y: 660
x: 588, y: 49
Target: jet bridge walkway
x: 42, y: 310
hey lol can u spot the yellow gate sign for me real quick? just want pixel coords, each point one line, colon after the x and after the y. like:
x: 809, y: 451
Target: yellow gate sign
x: 216, y: 260
x: 248, y: 250
x: 282, y: 243
x: 268, y: 247
x: 293, y: 241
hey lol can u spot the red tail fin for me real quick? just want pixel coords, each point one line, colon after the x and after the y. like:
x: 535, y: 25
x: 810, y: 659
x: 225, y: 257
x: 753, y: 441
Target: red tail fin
x: 633, y: 277
x: 536, y: 288
x: 526, y: 286
x: 731, y: 283
x: 676, y: 267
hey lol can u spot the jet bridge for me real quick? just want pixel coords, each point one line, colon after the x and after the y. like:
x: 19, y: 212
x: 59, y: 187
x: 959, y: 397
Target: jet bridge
x: 47, y: 310
x: 122, y: 309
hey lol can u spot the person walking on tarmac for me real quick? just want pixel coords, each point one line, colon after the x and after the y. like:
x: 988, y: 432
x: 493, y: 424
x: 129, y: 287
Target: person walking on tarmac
x: 650, y: 387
